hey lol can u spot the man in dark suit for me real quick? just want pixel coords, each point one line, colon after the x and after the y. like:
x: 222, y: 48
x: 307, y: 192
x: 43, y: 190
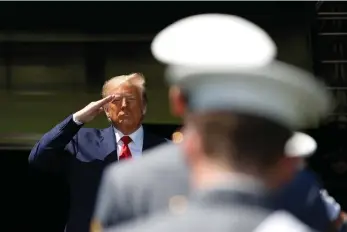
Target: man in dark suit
x: 81, y: 154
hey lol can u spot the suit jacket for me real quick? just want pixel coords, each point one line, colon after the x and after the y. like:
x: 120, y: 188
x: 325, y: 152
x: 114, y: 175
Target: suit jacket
x: 242, y: 206
x: 134, y: 190
x: 80, y: 154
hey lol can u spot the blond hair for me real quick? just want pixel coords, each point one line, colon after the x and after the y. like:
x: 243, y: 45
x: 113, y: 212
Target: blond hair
x: 133, y: 79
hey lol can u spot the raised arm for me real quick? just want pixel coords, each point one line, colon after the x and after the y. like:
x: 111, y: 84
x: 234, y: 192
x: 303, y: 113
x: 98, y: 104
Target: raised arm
x: 48, y: 152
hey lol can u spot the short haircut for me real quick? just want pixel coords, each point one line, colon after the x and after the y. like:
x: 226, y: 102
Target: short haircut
x: 246, y: 143
x: 134, y: 79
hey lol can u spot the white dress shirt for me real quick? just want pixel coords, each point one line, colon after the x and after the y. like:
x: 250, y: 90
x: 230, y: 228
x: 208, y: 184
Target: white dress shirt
x: 135, y: 145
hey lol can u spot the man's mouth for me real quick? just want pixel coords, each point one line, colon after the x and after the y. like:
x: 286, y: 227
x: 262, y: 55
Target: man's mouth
x: 124, y: 114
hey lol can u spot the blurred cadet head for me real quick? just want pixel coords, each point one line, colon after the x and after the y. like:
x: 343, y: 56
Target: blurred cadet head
x: 238, y: 143
x: 129, y: 107
x: 299, y: 147
x: 191, y: 34
x: 240, y: 104
x: 256, y: 141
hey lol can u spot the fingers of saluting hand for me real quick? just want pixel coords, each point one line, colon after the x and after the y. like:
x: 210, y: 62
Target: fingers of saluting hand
x: 104, y: 101
x: 100, y: 110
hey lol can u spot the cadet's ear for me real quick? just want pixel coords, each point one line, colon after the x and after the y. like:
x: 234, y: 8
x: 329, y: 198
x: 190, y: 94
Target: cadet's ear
x: 177, y: 101
x: 191, y: 144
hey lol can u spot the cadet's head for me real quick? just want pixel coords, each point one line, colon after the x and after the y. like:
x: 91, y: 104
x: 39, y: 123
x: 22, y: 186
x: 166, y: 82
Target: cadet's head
x: 239, y: 143
x: 245, y: 144
x: 242, y: 104
x: 129, y: 107
x: 299, y: 147
x: 242, y: 121
x: 183, y: 44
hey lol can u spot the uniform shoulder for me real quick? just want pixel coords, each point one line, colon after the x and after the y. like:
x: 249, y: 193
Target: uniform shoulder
x: 282, y: 221
x: 156, y: 222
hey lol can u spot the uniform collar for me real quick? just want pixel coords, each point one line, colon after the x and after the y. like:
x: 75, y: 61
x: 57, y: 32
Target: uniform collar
x: 238, y: 188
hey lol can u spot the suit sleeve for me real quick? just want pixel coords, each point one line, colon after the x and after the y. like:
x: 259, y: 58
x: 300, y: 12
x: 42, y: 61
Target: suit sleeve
x: 112, y: 204
x: 50, y: 151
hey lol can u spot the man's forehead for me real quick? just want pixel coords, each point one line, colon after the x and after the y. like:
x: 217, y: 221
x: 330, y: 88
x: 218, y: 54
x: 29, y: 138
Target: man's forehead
x: 123, y: 89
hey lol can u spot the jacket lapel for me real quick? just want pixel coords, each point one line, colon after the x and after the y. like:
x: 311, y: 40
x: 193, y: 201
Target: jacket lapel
x: 108, y: 145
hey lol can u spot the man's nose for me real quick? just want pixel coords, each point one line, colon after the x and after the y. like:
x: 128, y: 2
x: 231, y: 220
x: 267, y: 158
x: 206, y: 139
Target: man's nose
x: 124, y: 102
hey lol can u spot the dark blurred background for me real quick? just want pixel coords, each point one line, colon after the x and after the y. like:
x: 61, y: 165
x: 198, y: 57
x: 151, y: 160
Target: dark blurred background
x: 55, y: 56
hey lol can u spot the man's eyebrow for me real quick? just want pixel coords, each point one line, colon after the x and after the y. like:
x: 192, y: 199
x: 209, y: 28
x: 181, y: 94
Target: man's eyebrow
x: 124, y: 95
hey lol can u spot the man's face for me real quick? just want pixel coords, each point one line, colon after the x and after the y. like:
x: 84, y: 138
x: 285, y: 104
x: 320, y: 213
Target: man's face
x: 126, y: 111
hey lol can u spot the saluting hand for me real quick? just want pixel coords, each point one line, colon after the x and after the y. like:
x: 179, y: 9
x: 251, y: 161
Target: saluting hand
x: 89, y: 112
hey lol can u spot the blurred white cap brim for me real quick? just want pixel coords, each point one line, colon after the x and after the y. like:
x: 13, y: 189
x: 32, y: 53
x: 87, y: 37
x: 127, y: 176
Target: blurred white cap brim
x: 214, y: 40
x: 300, y: 145
x: 225, y: 62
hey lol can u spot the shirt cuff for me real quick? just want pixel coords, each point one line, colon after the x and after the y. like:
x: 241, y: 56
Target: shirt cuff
x: 76, y: 121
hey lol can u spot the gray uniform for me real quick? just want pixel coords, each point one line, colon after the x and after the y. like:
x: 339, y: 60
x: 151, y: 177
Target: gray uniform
x: 132, y: 189
x: 240, y: 206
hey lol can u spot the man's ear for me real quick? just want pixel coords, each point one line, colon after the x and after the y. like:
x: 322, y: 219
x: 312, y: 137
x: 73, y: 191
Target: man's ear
x: 144, y: 110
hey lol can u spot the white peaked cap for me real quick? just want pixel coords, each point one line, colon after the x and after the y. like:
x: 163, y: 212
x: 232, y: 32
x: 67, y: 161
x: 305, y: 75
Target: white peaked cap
x: 300, y: 145
x: 224, y: 62
x: 213, y: 39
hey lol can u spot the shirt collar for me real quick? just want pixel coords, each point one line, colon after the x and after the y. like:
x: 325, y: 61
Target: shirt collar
x: 136, y: 136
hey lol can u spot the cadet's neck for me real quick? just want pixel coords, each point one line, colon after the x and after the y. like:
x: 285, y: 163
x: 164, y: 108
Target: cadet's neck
x: 206, y: 175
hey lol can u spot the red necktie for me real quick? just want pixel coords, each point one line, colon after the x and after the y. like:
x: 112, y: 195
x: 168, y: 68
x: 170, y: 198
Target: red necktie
x: 125, y: 153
